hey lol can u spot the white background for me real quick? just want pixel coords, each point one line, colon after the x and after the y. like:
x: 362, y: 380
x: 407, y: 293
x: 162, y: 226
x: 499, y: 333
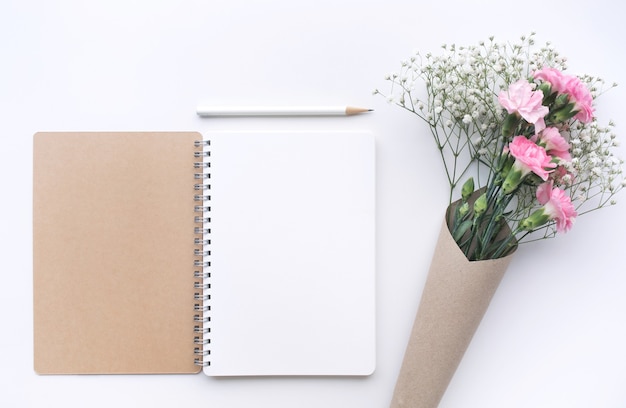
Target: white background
x: 555, y: 332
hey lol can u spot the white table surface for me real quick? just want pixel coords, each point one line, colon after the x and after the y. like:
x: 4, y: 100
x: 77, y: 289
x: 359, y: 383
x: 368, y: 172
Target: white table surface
x: 555, y: 332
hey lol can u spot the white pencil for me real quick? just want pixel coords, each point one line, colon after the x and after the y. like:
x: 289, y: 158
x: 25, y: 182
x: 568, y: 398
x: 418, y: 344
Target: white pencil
x: 205, y: 111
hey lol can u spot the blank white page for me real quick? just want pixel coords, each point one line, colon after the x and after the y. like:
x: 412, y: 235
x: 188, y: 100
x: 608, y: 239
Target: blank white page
x: 292, y: 253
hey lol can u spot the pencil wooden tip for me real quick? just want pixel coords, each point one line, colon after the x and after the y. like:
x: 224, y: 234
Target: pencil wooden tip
x: 350, y: 110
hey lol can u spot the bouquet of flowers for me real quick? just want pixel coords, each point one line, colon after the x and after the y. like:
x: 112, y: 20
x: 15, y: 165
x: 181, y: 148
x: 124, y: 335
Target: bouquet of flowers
x: 524, y: 128
x: 521, y: 146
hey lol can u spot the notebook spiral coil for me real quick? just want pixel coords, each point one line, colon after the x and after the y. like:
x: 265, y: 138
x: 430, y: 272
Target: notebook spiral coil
x: 202, y: 253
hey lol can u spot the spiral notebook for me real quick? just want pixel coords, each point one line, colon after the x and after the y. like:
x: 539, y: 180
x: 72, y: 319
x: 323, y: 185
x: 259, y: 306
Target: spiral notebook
x: 240, y: 253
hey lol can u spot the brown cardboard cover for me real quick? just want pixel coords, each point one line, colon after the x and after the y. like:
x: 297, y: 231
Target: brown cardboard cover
x: 113, y: 252
x: 455, y: 297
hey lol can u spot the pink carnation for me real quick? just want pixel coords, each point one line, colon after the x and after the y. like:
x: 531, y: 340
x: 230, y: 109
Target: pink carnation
x: 555, y: 145
x: 557, y: 205
x: 556, y: 78
x: 530, y: 157
x: 578, y: 93
x: 521, y: 99
x: 544, y: 192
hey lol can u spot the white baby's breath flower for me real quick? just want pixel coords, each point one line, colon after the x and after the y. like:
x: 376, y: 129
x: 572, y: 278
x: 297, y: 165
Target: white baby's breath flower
x: 567, y: 179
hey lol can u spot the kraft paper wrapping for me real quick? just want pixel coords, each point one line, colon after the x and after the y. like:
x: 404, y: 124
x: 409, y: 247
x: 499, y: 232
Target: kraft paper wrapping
x: 455, y: 297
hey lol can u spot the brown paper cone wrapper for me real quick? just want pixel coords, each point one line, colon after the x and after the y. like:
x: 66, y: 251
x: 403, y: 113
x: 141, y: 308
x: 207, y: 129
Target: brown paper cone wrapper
x: 455, y: 298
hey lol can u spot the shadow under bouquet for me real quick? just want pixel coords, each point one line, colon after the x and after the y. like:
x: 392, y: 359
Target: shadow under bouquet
x: 524, y: 156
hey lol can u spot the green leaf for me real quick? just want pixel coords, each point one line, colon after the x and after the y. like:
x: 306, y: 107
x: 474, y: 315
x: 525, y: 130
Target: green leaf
x: 461, y: 230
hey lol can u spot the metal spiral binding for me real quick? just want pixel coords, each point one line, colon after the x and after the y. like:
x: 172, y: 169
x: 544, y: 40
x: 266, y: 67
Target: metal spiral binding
x: 202, y: 252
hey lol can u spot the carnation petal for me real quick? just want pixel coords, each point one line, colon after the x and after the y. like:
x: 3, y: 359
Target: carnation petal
x: 521, y: 99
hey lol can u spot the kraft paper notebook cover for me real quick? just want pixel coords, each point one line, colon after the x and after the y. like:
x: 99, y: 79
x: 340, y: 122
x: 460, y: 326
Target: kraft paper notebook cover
x: 243, y: 254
